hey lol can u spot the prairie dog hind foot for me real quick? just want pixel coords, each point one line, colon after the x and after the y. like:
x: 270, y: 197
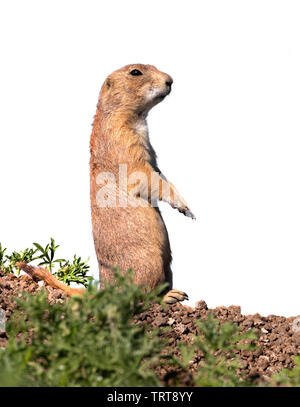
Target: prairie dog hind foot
x: 174, y: 296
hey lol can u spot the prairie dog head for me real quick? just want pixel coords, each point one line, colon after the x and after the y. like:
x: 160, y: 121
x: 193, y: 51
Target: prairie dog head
x: 134, y: 89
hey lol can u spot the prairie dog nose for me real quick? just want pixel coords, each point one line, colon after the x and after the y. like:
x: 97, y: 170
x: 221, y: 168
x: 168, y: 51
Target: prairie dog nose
x: 169, y: 82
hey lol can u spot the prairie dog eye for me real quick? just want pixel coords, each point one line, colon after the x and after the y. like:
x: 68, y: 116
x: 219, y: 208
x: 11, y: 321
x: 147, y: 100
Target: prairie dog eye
x: 136, y: 72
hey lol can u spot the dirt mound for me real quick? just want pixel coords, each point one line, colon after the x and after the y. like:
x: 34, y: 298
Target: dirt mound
x: 277, y: 340
x: 12, y: 286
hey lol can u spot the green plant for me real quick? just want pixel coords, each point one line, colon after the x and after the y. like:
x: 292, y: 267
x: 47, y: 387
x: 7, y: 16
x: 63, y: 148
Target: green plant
x: 47, y: 254
x: 26, y: 255
x: 217, y: 344
x: 66, y: 271
x: 88, y: 340
x: 288, y: 377
x: 74, y: 272
x: 2, y: 259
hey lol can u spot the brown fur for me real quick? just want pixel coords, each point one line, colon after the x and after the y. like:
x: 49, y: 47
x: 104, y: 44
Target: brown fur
x: 130, y: 237
x: 126, y: 236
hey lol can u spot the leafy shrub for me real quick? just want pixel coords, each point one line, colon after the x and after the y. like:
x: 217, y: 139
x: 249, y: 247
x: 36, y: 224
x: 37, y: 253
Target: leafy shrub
x: 47, y: 254
x: 88, y: 340
x: 66, y: 271
x: 74, y: 272
x: 26, y: 255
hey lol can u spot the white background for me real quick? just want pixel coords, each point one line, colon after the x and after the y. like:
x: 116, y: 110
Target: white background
x: 227, y: 136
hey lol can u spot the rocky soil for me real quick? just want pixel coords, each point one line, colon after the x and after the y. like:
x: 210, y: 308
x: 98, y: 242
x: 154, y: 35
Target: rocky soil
x: 277, y: 340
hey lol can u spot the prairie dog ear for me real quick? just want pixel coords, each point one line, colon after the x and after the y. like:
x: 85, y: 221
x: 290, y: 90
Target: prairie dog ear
x: 108, y: 83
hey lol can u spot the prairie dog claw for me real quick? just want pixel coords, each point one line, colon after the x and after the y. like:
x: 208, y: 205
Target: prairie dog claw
x: 189, y: 214
x: 186, y: 211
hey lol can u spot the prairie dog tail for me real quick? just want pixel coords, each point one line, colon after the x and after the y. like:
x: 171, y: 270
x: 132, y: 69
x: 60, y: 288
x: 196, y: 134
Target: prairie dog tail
x: 41, y: 274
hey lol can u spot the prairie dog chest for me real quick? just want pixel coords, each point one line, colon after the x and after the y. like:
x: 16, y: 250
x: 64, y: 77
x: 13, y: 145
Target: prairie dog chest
x: 141, y: 129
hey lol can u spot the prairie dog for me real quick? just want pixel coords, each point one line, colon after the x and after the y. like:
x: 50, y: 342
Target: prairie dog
x: 123, y: 170
x: 126, y: 184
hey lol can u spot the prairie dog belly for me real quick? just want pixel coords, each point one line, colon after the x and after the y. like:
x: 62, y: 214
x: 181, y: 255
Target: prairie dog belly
x: 131, y: 238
